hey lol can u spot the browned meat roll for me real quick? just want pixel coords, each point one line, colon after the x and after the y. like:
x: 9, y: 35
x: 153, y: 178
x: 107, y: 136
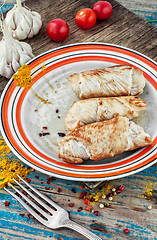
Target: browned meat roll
x: 109, y: 82
x: 102, y: 140
x: 99, y: 109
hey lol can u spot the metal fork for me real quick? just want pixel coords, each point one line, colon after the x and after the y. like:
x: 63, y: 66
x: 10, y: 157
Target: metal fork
x: 56, y: 217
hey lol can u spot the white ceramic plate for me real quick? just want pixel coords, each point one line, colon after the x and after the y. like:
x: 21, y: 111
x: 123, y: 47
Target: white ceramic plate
x: 27, y: 114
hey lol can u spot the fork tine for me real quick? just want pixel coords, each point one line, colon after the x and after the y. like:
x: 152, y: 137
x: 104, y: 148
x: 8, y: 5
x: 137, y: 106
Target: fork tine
x: 34, y: 197
x: 40, y: 194
x: 28, y: 208
x: 30, y: 202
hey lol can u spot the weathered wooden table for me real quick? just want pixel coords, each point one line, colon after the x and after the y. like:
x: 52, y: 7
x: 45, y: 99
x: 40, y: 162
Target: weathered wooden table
x: 128, y: 209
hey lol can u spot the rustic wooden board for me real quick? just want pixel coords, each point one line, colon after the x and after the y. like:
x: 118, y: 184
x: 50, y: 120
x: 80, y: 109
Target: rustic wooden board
x: 123, y: 28
x: 128, y: 209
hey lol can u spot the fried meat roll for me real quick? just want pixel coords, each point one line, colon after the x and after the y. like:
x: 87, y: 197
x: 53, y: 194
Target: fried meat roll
x: 108, y: 82
x: 99, y: 109
x: 102, y: 140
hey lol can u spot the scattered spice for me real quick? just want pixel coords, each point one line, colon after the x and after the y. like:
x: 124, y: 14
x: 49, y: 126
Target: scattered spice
x: 97, y: 213
x: 43, y: 67
x: 45, y: 128
x: 86, y: 201
x: 59, y: 190
x: 149, y: 207
x: 103, y: 196
x: 80, y: 209
x: 118, y: 191
x: 37, y: 177
x: 28, y: 216
x: 71, y: 204
x: 110, y: 198
x: 47, y: 188
x: 59, y: 117
x: 83, y: 195
x: 88, y: 208
x: 23, y: 77
x: 61, y: 134
x: 126, y: 230
x: 149, y: 189
x: 73, y: 190
x: 50, y: 179
x: 24, y: 192
x: 10, y: 167
x: 7, y: 203
x: 28, y: 180
x: 22, y: 214
x: 121, y: 187
x: 101, y: 205
x: 57, y: 110
x: 44, y: 134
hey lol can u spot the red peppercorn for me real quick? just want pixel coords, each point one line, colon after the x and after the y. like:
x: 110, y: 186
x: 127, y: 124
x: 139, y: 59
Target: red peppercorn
x: 97, y: 213
x: 83, y: 195
x: 88, y: 208
x: 22, y: 214
x: 118, y: 191
x: 28, y: 216
x: 80, y: 209
x: 28, y: 180
x: 73, y: 190
x: 121, y: 187
x: 110, y: 195
x: 71, y: 204
x: 7, y: 203
x: 59, y: 190
x: 126, y: 230
x: 86, y: 201
x: 24, y: 192
x: 45, y: 128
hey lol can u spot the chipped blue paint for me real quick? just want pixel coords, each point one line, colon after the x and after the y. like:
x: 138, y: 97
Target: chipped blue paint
x: 147, y: 16
x: 129, y: 224
x: 5, y: 7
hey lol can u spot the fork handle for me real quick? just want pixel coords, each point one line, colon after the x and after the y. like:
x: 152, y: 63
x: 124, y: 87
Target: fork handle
x: 78, y: 228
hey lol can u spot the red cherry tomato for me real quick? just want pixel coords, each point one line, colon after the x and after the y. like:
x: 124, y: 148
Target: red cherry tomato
x: 57, y: 30
x: 103, y: 10
x: 85, y: 18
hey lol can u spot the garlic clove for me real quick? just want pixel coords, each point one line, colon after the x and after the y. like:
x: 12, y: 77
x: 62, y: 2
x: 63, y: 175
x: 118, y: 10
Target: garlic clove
x: 24, y: 59
x: 36, y: 24
x: 15, y: 64
x: 13, y: 53
x: 23, y: 22
x: 26, y: 49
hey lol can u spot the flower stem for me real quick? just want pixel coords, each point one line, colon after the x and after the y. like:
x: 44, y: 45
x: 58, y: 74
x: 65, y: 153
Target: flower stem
x: 150, y: 21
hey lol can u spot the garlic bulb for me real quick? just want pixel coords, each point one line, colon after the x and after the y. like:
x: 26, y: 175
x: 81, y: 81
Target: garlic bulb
x: 23, y: 22
x: 13, y: 53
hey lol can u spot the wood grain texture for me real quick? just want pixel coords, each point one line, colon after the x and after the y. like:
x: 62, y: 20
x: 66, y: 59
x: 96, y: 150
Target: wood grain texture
x: 128, y: 209
x: 123, y: 28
